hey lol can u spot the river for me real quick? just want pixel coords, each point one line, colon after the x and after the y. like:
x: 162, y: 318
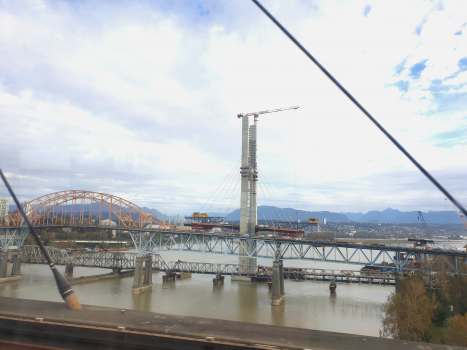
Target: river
x: 353, y: 309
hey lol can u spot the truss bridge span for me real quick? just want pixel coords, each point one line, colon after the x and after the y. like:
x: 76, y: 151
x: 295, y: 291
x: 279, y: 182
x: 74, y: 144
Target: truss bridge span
x: 400, y: 258
x: 102, y: 259
x: 84, y: 208
x: 294, y: 273
x: 149, y: 241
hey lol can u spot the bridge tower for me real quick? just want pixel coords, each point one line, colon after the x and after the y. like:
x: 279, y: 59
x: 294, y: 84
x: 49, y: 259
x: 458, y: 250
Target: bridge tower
x: 248, y: 172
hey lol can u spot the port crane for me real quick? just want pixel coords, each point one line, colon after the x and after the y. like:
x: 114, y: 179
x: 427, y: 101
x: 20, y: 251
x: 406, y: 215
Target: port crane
x: 423, y: 241
x: 256, y: 114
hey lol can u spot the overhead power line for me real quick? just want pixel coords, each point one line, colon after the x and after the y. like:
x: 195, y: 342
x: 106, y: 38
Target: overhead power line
x: 378, y: 125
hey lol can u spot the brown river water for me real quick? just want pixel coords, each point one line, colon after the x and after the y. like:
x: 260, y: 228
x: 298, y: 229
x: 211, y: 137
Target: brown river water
x: 353, y: 309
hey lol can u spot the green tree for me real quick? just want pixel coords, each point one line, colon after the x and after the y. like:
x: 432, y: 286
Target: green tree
x: 408, y: 315
x: 457, y: 291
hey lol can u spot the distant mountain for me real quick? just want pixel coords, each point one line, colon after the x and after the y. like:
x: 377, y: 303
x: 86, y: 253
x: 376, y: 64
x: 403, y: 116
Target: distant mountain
x: 386, y: 216
x: 353, y: 216
x: 289, y: 214
x: 154, y: 212
x: 270, y: 213
x: 96, y: 209
x: 393, y: 216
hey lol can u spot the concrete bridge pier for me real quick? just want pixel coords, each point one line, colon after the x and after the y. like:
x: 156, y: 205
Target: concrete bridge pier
x: 69, y: 269
x: 219, y: 279
x: 16, y: 266
x: 16, y: 260
x: 278, y: 293
x: 3, y: 264
x: 143, y: 274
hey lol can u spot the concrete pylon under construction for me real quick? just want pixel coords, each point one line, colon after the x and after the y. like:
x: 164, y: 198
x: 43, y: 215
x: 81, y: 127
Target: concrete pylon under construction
x: 248, y: 201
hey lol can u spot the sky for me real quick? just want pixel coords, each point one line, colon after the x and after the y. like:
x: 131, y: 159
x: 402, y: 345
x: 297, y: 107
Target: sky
x: 139, y: 99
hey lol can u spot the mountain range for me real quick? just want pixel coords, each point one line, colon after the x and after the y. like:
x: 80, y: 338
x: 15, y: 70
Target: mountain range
x: 394, y: 216
x: 270, y: 213
x: 96, y: 209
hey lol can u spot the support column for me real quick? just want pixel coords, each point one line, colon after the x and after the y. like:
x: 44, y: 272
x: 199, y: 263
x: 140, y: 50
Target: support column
x: 244, y: 172
x: 143, y: 278
x: 147, y: 280
x: 278, y: 295
x: 253, y: 181
x: 69, y: 269
x: 244, y: 189
x: 253, y: 218
x: 16, y: 268
x: 281, y: 279
x: 3, y: 264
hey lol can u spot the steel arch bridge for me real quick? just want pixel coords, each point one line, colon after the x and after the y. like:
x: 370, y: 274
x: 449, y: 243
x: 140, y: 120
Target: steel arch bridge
x: 54, y: 209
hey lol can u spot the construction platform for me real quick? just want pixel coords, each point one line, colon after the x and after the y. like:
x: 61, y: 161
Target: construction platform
x: 52, y: 324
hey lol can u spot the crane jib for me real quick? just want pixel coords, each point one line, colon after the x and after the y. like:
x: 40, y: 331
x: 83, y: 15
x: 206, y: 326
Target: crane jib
x: 268, y: 111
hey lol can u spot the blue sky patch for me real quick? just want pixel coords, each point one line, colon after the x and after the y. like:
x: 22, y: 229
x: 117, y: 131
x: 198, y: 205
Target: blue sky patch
x: 400, y: 67
x: 402, y: 85
x: 366, y: 10
x: 449, y: 139
x: 462, y: 64
x: 417, y: 69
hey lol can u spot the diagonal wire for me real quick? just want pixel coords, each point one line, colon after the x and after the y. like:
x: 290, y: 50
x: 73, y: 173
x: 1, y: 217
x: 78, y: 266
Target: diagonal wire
x: 228, y: 192
x: 261, y: 188
x: 351, y: 98
x: 262, y: 212
x: 235, y: 167
x: 234, y: 196
x: 275, y: 204
x: 261, y: 206
x: 227, y: 181
x: 278, y: 200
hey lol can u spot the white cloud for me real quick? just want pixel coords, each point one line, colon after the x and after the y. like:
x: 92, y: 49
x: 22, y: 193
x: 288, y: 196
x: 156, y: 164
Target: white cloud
x: 141, y: 101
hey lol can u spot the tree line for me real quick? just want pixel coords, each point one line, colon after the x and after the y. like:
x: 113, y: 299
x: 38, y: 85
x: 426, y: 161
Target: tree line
x: 431, y: 305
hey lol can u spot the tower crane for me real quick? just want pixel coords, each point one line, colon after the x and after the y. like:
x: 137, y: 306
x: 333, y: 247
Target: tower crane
x: 256, y: 114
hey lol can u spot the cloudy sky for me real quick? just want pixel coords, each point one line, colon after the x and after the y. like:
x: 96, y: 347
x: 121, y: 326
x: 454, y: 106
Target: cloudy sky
x: 139, y: 99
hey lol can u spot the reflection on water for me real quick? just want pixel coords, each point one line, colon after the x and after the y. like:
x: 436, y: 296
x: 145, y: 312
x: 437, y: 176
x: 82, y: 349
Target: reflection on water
x: 353, y: 309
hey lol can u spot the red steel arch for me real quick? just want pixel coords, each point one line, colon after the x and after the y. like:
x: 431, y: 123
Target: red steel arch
x: 51, y: 209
